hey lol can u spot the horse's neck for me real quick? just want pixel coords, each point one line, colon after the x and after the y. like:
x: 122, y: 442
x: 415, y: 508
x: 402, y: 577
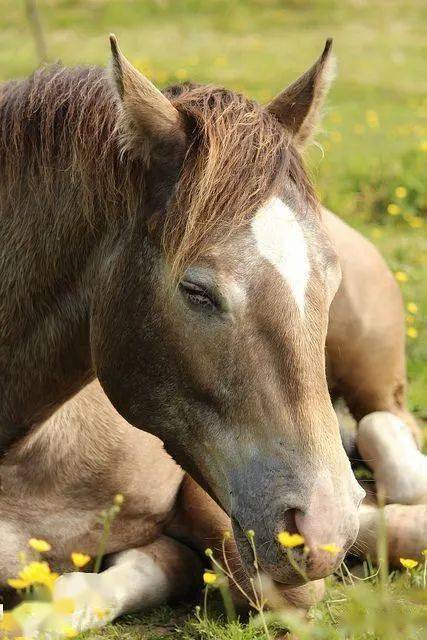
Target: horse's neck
x: 47, y: 260
x: 61, y: 179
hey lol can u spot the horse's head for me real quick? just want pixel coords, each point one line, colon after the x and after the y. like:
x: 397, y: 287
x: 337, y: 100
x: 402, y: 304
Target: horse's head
x: 210, y: 324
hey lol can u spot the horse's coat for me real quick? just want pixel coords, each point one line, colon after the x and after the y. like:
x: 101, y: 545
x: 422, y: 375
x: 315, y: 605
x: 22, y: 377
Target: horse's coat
x: 281, y: 240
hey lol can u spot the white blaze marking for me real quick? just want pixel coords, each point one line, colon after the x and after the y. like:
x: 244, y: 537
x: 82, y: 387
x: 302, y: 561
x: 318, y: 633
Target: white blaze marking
x: 281, y: 241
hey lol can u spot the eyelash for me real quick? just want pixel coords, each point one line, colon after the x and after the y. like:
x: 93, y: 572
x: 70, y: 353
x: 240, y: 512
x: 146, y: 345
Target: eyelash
x: 198, y: 297
x: 201, y: 300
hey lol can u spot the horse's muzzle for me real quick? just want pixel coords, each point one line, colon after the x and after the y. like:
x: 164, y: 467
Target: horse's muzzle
x: 325, y: 516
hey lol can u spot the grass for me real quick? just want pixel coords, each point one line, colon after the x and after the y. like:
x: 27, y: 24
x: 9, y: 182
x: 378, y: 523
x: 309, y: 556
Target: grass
x: 374, y: 140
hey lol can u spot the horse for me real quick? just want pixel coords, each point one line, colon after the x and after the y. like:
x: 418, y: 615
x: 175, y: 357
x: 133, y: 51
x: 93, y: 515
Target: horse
x: 171, y: 246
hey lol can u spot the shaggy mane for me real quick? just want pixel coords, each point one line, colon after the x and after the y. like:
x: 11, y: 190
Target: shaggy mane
x: 60, y: 127
x: 239, y: 152
x: 62, y: 122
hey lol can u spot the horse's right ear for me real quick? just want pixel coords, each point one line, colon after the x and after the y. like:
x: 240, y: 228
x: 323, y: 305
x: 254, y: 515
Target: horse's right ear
x: 149, y: 118
x: 298, y: 108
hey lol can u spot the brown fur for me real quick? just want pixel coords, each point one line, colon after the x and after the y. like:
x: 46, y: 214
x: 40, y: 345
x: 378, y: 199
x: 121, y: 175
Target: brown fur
x: 216, y: 193
x: 46, y: 122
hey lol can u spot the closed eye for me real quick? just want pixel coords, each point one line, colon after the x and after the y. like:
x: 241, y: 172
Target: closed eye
x: 198, y: 297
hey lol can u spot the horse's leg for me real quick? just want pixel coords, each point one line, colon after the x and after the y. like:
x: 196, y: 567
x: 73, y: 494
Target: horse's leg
x: 387, y: 446
x: 12, y: 542
x: 366, y: 357
x: 135, y: 580
x: 374, y: 386
x: 405, y: 528
x: 201, y: 523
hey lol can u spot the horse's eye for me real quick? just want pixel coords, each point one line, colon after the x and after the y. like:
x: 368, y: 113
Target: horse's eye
x: 198, y: 297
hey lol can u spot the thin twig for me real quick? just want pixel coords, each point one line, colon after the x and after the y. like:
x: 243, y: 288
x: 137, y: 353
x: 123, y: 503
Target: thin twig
x: 36, y: 27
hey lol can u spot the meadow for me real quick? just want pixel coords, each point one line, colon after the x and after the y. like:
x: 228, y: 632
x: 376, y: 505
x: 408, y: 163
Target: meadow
x: 369, y: 163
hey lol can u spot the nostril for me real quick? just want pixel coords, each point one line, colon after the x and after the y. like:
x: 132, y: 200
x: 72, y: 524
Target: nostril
x: 290, y: 524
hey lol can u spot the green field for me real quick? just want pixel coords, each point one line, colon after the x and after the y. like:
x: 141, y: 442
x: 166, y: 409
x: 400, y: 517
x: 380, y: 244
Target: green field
x: 372, y: 151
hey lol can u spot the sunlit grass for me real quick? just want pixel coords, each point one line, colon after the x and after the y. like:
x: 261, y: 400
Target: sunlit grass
x: 375, y: 604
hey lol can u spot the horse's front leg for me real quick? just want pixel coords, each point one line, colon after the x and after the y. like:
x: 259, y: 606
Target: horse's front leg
x: 135, y: 580
x: 386, y: 444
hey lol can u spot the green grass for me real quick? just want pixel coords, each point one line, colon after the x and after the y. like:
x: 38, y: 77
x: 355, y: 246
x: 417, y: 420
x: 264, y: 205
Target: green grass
x: 258, y: 46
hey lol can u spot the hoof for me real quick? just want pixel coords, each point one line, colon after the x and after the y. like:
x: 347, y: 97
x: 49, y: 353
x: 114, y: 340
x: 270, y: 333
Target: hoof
x: 388, y: 448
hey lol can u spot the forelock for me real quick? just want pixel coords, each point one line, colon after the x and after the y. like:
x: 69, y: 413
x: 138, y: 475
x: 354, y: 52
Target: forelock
x: 237, y: 153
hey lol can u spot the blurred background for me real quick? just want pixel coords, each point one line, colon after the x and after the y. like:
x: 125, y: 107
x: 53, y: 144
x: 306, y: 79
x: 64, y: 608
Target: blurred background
x: 370, y: 164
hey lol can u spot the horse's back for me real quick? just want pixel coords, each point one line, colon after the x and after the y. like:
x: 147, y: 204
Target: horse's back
x: 366, y: 340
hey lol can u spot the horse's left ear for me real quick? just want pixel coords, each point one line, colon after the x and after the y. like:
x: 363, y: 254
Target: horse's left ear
x: 299, y: 106
x: 150, y: 121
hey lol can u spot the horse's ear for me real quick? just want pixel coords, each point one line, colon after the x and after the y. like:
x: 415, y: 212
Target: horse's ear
x: 299, y: 106
x: 149, y: 118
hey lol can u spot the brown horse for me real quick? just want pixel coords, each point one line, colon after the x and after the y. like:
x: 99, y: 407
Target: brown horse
x: 172, y: 246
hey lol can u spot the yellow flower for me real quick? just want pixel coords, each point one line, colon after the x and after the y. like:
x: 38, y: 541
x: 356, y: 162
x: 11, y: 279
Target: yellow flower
x: 39, y: 545
x: 408, y: 563
x: 376, y: 233
x: 410, y: 319
x: 412, y: 332
x: 79, y: 559
x: 37, y: 573
x: 393, y: 209
x: 161, y: 76
x: 424, y: 552
x: 181, y: 74
x: 8, y: 622
x: 371, y: 117
x: 423, y: 145
x: 118, y: 499
x: 401, y: 276
x: 412, y: 307
x: 64, y: 606
x: 100, y: 613
x: 17, y: 583
x: 69, y: 632
x: 290, y: 540
x: 209, y: 577
x: 335, y: 117
x: 401, y: 192
x: 221, y: 61
x: 336, y: 136
x: 330, y: 548
x: 415, y: 222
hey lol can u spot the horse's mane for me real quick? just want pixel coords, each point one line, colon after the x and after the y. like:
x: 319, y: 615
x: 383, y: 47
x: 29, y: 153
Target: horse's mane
x: 58, y: 128
x: 65, y: 120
